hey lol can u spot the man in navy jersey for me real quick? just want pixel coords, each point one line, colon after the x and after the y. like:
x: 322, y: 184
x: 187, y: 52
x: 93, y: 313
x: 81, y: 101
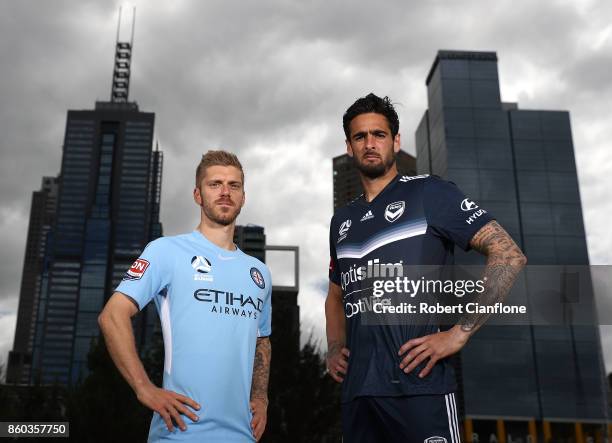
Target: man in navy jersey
x: 397, y: 385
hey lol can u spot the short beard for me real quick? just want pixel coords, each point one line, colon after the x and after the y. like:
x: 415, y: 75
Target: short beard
x: 374, y: 171
x: 223, y: 220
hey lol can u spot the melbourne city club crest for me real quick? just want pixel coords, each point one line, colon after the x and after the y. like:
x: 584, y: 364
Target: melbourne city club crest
x: 258, y: 278
x: 393, y: 211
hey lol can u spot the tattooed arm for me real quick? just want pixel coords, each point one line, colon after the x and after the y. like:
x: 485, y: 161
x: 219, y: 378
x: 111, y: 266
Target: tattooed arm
x: 261, y: 369
x: 337, y: 353
x: 504, y: 262
x: 259, y: 386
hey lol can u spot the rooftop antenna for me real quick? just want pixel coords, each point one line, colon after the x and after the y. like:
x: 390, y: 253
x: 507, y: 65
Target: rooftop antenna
x: 120, y: 88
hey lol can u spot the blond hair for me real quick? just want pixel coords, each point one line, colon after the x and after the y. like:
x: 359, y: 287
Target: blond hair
x: 217, y: 158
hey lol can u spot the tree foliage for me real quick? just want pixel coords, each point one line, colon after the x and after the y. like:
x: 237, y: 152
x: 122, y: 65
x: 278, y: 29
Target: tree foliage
x: 304, y: 402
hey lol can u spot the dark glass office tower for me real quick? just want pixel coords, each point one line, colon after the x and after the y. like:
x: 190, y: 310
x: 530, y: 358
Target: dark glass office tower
x: 108, y: 196
x: 251, y: 239
x: 107, y: 211
x: 42, y: 217
x: 347, y: 185
x: 520, y: 166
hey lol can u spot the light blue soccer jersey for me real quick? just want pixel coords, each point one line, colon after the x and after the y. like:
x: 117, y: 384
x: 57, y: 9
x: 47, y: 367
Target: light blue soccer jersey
x: 213, y: 304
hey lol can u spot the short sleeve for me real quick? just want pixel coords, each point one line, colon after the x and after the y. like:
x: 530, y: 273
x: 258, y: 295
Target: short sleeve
x: 334, y: 273
x: 149, y: 275
x: 264, y: 327
x: 452, y: 214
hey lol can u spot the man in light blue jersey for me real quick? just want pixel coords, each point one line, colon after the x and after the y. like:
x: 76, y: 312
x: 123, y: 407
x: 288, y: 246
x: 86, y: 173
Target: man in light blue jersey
x: 215, y: 310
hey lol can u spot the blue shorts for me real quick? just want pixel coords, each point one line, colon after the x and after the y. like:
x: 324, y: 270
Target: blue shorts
x: 413, y: 419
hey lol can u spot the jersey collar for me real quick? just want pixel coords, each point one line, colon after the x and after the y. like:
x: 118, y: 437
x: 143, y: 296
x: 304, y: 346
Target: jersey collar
x: 362, y: 200
x: 202, y: 239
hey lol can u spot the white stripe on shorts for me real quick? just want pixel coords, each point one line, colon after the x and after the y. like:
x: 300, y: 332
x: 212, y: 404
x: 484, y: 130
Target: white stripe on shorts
x: 456, y: 422
x: 450, y: 418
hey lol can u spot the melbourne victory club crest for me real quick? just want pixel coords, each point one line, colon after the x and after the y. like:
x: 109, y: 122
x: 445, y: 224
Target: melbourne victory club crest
x: 393, y: 211
x: 258, y: 278
x: 203, y: 268
x: 137, y: 270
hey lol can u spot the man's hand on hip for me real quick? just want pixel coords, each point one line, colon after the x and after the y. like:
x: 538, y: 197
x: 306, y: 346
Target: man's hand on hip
x: 259, y: 408
x: 337, y: 362
x: 433, y: 347
x: 168, y: 404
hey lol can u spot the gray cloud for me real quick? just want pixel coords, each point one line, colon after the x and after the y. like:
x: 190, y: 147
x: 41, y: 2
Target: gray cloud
x: 270, y: 81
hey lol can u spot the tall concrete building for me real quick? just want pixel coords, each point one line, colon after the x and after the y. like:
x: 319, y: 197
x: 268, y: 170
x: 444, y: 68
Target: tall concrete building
x: 108, y: 195
x: 519, y: 165
x: 347, y: 185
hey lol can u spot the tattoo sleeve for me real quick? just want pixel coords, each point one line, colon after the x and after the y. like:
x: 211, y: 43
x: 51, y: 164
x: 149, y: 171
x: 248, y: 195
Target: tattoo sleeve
x: 333, y: 347
x: 505, y: 261
x: 261, y: 369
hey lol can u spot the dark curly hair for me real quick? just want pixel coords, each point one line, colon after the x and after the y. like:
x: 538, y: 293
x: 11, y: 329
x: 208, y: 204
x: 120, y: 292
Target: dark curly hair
x: 371, y: 103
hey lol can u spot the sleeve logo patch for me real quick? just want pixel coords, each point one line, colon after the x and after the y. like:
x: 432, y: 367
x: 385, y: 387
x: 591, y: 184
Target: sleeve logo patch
x: 468, y: 205
x: 258, y: 278
x: 137, y: 270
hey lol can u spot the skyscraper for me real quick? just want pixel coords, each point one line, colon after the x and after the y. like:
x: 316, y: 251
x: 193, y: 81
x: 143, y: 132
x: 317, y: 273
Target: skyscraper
x: 108, y: 197
x: 251, y: 239
x: 42, y: 217
x: 520, y: 166
x: 347, y: 185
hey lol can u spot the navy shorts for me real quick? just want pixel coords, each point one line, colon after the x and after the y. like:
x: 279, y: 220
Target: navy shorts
x: 413, y: 419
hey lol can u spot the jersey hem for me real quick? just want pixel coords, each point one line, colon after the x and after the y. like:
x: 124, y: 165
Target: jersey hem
x: 413, y: 393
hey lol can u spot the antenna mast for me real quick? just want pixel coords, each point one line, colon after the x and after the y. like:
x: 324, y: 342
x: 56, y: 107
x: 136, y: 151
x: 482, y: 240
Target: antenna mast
x: 123, y: 59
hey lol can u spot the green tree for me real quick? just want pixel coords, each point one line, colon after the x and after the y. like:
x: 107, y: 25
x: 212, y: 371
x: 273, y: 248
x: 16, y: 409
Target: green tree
x: 103, y: 407
x: 304, y: 401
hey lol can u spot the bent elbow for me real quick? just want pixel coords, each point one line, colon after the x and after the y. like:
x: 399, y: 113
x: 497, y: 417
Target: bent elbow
x: 522, y: 260
x: 102, y: 320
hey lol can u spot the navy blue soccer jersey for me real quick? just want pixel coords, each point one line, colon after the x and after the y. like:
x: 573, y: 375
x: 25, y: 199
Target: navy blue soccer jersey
x: 414, y: 220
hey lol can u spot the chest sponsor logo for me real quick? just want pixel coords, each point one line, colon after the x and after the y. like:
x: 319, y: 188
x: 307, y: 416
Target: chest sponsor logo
x: 373, y: 269
x: 394, y: 210
x: 368, y: 215
x: 435, y: 440
x: 137, y: 270
x: 258, y: 278
x: 203, y: 268
x: 468, y: 205
x: 343, y: 231
x: 229, y: 303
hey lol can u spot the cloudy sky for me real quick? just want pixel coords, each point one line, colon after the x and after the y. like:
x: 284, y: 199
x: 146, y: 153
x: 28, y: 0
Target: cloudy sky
x: 270, y: 80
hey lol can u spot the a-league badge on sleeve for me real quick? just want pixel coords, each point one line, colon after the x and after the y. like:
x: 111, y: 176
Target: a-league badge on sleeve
x: 137, y: 270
